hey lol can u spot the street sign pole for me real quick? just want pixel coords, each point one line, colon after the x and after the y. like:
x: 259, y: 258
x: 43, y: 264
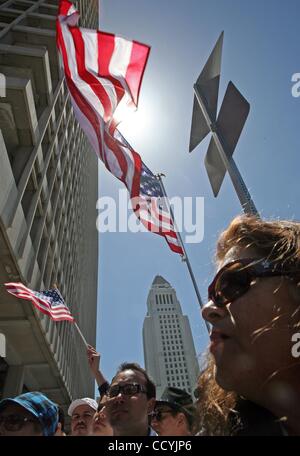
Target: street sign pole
x: 230, y: 165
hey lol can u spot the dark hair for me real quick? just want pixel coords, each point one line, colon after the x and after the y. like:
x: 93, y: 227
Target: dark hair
x: 150, y: 386
x: 190, y: 414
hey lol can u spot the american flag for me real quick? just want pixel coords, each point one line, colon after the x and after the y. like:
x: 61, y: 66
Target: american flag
x: 104, y: 73
x: 50, y: 302
x: 152, y: 209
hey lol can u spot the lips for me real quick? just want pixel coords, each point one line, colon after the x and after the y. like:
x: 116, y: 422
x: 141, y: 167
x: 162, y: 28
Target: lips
x: 218, y: 338
x: 217, y: 335
x: 118, y: 410
x: 80, y: 426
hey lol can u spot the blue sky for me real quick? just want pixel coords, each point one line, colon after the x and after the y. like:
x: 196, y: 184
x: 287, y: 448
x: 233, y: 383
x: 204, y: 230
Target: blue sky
x: 260, y: 55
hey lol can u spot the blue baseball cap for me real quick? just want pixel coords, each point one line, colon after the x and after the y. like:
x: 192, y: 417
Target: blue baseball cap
x: 40, y: 407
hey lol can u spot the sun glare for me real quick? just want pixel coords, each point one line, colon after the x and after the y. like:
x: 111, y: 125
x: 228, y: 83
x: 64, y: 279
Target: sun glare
x: 137, y: 125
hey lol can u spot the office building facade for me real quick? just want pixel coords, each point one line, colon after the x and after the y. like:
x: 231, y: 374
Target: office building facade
x: 48, y: 193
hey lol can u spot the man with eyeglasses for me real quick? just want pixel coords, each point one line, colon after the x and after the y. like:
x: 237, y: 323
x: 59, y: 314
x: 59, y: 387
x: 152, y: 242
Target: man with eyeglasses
x: 82, y: 413
x: 30, y: 414
x: 174, y: 414
x: 131, y: 399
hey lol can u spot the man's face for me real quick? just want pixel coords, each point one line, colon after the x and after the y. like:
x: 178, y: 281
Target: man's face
x: 129, y: 412
x: 82, y: 420
x: 15, y: 420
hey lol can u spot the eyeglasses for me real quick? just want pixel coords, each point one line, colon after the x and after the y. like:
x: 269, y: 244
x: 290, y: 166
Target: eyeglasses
x: 14, y: 423
x: 236, y: 278
x: 158, y: 415
x: 129, y: 389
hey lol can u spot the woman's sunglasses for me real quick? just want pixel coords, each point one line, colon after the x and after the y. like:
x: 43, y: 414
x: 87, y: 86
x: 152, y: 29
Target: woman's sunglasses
x: 159, y: 415
x: 236, y: 278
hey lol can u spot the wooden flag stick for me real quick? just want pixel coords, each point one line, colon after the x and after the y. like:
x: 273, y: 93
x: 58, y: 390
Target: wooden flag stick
x: 75, y: 324
x: 81, y: 335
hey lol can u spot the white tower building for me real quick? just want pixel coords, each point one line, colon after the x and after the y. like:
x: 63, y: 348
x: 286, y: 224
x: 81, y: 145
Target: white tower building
x: 169, y: 351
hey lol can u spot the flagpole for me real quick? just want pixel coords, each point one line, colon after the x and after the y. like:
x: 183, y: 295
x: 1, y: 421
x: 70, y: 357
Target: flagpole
x: 185, y: 258
x: 81, y: 335
x: 54, y: 285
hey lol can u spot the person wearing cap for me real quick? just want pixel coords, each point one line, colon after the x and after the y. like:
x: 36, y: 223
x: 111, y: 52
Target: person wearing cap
x: 30, y: 414
x: 82, y: 412
x: 174, y: 413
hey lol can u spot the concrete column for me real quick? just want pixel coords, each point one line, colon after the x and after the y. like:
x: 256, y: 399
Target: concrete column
x: 14, y: 381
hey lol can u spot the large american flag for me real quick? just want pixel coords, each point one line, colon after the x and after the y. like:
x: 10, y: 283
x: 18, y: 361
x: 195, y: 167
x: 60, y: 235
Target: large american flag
x: 104, y: 73
x: 50, y: 302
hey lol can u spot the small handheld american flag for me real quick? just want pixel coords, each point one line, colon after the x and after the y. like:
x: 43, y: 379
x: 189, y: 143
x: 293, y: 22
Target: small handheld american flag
x: 49, y: 302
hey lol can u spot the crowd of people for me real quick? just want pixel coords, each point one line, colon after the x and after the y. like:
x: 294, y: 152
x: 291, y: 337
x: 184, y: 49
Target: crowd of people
x: 250, y: 384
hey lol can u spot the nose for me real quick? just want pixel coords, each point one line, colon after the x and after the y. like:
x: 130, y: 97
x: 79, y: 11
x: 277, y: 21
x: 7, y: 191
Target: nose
x: 120, y: 397
x: 212, y: 313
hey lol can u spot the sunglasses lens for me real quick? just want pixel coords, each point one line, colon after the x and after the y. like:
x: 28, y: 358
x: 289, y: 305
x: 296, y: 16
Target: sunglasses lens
x: 113, y: 391
x: 12, y: 423
x: 129, y: 389
x: 232, y: 283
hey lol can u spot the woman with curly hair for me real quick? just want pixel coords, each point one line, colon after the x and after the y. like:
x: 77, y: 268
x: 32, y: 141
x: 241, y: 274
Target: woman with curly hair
x: 254, y: 310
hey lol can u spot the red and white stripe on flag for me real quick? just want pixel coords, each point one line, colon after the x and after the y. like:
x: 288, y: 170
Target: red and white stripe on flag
x: 55, y: 308
x: 104, y: 73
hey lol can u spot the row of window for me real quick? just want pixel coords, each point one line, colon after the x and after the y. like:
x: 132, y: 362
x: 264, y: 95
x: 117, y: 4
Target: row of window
x: 178, y: 358
x: 175, y: 372
x: 164, y: 299
x: 169, y: 327
x: 178, y: 383
x: 171, y: 337
x: 166, y: 309
x: 177, y: 346
x: 175, y: 365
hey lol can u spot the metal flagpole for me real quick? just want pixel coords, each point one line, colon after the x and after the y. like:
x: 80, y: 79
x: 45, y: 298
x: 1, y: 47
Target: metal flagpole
x: 185, y: 258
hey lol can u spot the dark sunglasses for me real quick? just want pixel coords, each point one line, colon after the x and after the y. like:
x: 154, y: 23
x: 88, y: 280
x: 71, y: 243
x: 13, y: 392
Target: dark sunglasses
x: 236, y: 278
x: 129, y: 389
x: 14, y: 423
x: 158, y: 415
